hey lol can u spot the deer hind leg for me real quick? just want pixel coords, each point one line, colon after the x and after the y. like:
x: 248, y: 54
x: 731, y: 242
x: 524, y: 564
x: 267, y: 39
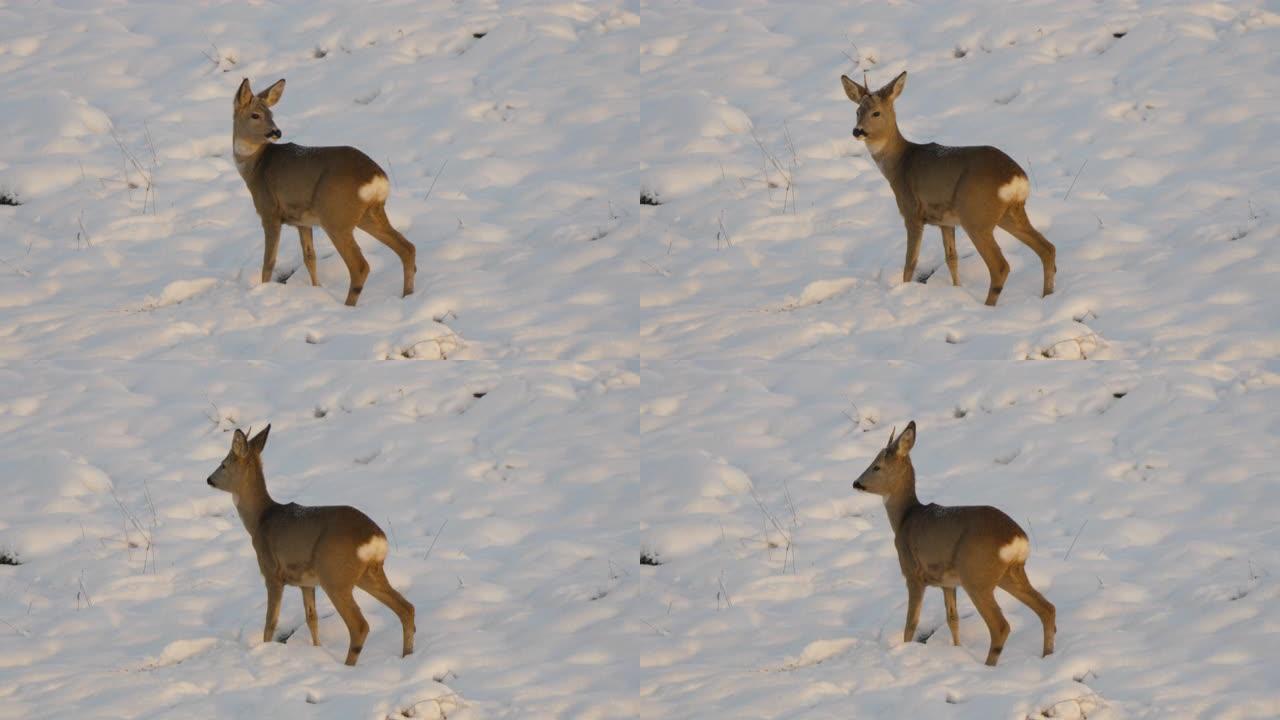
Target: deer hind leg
x: 347, y: 608
x: 949, y: 250
x: 984, y: 599
x: 357, y: 266
x: 953, y: 616
x: 985, y: 242
x: 376, y: 223
x: 308, y: 253
x: 376, y: 584
x: 309, y: 609
x: 1016, y: 583
x: 275, y: 590
x: 1016, y: 223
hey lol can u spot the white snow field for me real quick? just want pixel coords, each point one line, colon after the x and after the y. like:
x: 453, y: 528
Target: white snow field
x: 583, y: 379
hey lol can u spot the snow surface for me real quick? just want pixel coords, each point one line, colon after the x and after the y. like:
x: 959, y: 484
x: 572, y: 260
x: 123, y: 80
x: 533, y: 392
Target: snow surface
x: 699, y: 381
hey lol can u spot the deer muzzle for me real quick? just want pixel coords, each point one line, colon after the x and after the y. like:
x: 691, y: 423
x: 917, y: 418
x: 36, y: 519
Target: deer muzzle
x: 859, y: 133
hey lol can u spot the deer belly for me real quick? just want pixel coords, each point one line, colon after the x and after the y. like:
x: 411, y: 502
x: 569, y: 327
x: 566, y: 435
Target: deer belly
x: 940, y: 575
x: 300, y: 216
x: 299, y: 574
x: 940, y: 215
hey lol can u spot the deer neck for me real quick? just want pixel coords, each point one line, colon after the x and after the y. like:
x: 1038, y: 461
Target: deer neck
x: 887, y: 152
x: 253, y: 500
x: 900, y: 504
x: 248, y: 157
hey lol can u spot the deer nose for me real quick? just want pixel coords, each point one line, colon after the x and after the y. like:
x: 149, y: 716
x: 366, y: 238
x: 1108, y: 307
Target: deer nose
x: 274, y: 133
x: 859, y: 132
x: 857, y: 485
x: 210, y: 481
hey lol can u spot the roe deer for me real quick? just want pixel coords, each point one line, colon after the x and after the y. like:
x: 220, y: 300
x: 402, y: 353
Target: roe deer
x: 978, y: 548
x: 337, y: 547
x: 977, y: 188
x: 337, y: 188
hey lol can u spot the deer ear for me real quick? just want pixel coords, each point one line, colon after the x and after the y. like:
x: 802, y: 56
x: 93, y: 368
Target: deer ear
x: 244, y: 95
x: 271, y: 95
x: 259, y: 441
x: 906, y: 440
x: 239, y: 444
x: 855, y: 91
x: 891, y: 91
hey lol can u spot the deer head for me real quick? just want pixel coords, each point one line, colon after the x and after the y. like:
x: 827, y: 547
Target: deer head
x: 891, y: 469
x: 254, y: 125
x: 241, y: 464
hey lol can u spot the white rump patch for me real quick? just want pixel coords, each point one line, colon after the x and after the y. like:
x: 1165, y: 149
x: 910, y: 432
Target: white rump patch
x: 1016, y: 190
x: 377, y: 189
x: 375, y: 550
x: 1016, y: 551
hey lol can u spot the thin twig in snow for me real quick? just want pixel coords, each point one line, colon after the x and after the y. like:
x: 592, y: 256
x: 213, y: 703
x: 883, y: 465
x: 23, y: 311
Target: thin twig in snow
x: 433, y: 544
x: 787, y: 175
x: 656, y: 629
x: 1073, y: 540
x: 723, y: 235
x: 146, y: 132
x: 17, y: 629
x: 433, y: 183
x: 148, y: 547
x: 83, y: 234
x: 1074, y: 179
x: 728, y: 601
x: 83, y: 593
x: 786, y: 493
x: 146, y: 174
x: 655, y: 268
x: 22, y: 272
x: 789, y: 547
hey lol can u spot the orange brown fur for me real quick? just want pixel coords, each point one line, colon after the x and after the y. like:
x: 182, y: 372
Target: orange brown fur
x: 978, y: 548
x: 976, y: 188
x: 337, y: 548
x: 337, y: 188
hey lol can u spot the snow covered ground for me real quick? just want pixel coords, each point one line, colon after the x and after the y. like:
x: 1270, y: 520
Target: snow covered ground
x: 697, y: 381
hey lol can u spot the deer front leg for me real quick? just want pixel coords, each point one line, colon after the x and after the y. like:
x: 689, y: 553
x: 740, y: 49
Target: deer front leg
x: 271, y: 245
x: 275, y: 590
x: 915, y: 230
x: 271, y: 237
x: 915, y: 595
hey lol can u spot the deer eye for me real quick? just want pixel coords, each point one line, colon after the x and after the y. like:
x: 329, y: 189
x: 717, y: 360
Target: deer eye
x: 877, y: 467
x: 256, y: 116
x: 875, y: 114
